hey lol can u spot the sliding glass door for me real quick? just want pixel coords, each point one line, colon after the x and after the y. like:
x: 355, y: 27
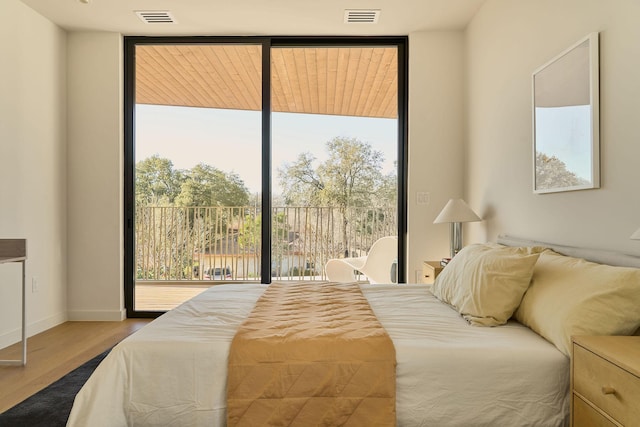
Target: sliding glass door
x: 257, y: 159
x: 334, y: 154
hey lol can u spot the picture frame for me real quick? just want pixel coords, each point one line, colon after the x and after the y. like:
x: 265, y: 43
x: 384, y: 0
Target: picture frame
x: 566, y: 120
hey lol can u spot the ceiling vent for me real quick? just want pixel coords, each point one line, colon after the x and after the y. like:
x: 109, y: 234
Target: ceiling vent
x: 155, y: 16
x: 361, y: 16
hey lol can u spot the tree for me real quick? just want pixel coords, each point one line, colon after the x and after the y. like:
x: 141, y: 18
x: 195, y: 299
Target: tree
x: 387, y: 192
x: 157, y: 183
x: 250, y: 237
x: 205, y: 185
x: 208, y: 187
x: 300, y: 182
x: 350, y: 177
x: 552, y: 172
x: 158, y: 188
x: 352, y: 174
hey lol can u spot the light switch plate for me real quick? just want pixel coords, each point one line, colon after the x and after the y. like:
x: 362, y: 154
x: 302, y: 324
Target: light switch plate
x: 422, y: 198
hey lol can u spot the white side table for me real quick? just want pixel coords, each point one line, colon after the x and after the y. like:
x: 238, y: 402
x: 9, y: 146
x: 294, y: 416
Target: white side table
x: 15, y: 250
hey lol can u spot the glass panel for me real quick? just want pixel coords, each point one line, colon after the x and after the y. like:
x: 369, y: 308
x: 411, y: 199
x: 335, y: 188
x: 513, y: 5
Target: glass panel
x: 198, y: 170
x: 334, y: 153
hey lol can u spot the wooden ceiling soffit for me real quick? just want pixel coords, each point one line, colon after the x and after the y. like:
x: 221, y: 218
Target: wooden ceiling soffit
x: 349, y: 81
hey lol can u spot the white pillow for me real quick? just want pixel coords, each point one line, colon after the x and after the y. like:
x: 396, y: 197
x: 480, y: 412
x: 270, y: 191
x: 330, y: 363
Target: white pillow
x: 486, y: 282
x: 570, y: 296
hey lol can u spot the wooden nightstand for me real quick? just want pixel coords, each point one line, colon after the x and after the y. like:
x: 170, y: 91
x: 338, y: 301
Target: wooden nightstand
x: 605, y: 381
x: 430, y: 270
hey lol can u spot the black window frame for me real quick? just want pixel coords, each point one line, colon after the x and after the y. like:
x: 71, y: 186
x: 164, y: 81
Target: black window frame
x: 130, y: 43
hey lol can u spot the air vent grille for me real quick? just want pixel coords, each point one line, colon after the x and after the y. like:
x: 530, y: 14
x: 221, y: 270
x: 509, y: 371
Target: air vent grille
x: 361, y: 16
x: 156, y: 16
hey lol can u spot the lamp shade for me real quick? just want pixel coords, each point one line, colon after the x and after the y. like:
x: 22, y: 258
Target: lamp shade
x: 456, y: 210
x: 636, y: 235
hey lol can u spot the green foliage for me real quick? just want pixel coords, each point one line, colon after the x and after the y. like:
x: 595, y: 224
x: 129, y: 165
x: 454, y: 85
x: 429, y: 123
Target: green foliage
x: 208, y: 186
x: 250, y: 232
x: 159, y: 184
x: 208, y: 192
x: 300, y: 182
x: 250, y: 237
x: 295, y: 271
x: 351, y: 176
x: 366, y: 225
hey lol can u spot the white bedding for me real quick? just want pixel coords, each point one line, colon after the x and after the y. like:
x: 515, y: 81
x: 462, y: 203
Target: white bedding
x: 172, y: 372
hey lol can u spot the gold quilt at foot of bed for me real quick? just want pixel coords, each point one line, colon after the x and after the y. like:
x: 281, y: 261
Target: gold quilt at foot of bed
x: 311, y: 355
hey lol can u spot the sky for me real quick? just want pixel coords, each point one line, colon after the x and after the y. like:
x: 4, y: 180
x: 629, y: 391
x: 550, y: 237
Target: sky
x: 230, y: 139
x: 565, y: 132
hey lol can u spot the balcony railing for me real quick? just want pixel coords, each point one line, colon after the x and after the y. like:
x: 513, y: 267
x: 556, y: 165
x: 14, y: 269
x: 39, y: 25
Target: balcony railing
x: 175, y: 244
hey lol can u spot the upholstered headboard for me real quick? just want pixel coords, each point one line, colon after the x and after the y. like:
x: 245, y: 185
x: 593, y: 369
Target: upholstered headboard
x: 595, y: 255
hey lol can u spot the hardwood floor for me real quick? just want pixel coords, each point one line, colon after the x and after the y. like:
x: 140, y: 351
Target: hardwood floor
x: 56, y: 352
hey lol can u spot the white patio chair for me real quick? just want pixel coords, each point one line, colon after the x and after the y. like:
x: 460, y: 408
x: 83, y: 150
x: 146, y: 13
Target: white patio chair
x: 377, y: 265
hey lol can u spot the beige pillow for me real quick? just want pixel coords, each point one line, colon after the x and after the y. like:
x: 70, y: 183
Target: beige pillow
x: 486, y: 282
x: 570, y: 296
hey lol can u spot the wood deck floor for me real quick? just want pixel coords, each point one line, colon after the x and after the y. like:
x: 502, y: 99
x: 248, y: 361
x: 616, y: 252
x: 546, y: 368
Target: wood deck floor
x: 160, y: 297
x: 163, y: 297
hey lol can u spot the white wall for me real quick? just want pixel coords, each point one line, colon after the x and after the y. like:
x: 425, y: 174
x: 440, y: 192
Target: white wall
x: 505, y: 42
x: 436, y: 140
x: 33, y: 195
x: 95, y: 177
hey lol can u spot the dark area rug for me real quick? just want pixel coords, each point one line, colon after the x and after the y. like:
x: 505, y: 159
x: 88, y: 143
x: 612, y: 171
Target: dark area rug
x: 51, y: 406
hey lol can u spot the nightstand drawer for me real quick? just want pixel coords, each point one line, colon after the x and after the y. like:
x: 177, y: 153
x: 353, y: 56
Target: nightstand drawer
x: 610, y: 388
x: 430, y: 270
x: 585, y: 416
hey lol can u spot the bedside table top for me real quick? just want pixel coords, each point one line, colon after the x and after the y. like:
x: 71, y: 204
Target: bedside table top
x: 434, y: 264
x: 623, y: 351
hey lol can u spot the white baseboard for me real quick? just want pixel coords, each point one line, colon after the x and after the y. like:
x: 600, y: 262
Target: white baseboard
x: 34, y: 328
x: 97, y: 315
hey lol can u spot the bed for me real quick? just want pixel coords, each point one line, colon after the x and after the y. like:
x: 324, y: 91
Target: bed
x: 449, y: 371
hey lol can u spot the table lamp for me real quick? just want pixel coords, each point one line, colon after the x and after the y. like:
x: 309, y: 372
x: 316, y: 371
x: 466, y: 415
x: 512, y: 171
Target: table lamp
x: 456, y: 211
